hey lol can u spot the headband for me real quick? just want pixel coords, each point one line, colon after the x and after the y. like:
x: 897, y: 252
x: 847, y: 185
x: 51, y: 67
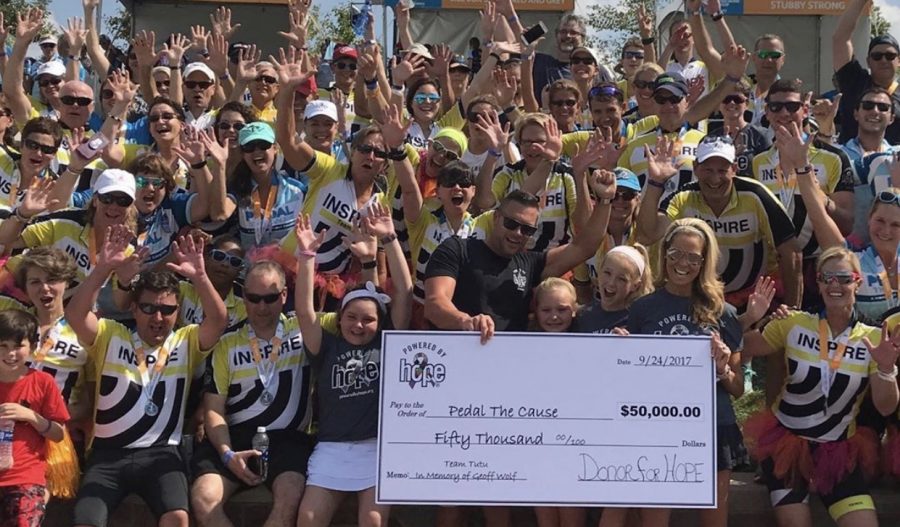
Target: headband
x: 367, y: 292
x: 632, y: 254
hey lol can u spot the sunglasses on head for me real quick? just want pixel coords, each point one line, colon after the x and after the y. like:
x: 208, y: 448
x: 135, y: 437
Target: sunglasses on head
x: 513, y: 225
x: 878, y: 55
x: 270, y: 298
x: 888, y: 198
x: 237, y: 127
x: 191, y: 85
x: 676, y: 255
x: 734, y: 99
x: 838, y: 277
x: 345, y: 66
x: 152, y: 309
x: 569, y: 103
x: 587, y: 61
x: 268, y: 79
x: 143, y: 181
x: 443, y: 151
x: 422, y: 98
x: 790, y: 106
x: 254, y: 146
x: 120, y: 200
x: 369, y: 149
x: 71, y: 100
x: 54, y: 81
x: 667, y: 99
x: 222, y: 257
x: 769, y: 54
x: 164, y: 116
x: 633, y: 55
x: 597, y: 91
x: 160, y: 84
x: 871, y: 105
x: 31, y: 144
x: 107, y: 94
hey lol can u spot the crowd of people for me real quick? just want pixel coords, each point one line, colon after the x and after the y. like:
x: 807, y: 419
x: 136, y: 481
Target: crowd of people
x: 199, y: 242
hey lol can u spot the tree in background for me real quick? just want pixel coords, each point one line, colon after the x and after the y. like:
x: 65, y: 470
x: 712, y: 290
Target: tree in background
x: 616, y: 22
x: 10, y: 8
x: 880, y: 25
x: 118, y: 27
x: 336, y: 26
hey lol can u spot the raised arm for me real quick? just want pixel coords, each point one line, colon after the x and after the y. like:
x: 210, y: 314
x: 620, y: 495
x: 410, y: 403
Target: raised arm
x: 99, y: 62
x: 734, y: 64
x: 842, y: 38
x: 68, y: 179
x: 725, y: 35
x: 175, y: 51
x: 75, y: 33
x: 124, y: 92
x: 394, y: 132
x: 598, y: 151
x: 651, y: 222
x: 290, y: 75
x: 38, y: 198
x: 220, y: 208
x: 885, y: 394
x: 192, y: 150
x: 378, y: 222
x: 702, y: 43
x: 440, y: 69
x: 218, y: 62
x: 645, y: 27
x: 188, y: 256
x: 29, y: 24
x: 144, y: 47
x: 245, y: 72
x: 308, y: 243
x: 826, y: 230
x: 401, y: 17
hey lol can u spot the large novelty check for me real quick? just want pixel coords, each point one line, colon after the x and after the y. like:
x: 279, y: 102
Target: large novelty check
x: 547, y: 419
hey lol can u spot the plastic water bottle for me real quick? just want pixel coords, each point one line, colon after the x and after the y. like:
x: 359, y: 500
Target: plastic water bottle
x: 260, y: 444
x: 6, y: 443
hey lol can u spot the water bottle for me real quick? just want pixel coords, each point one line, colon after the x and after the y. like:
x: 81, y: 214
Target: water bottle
x: 6, y: 443
x: 260, y: 444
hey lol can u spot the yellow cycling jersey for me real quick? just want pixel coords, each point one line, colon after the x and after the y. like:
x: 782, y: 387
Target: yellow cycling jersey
x: 191, y: 312
x: 418, y: 138
x: 429, y: 230
x: 686, y: 141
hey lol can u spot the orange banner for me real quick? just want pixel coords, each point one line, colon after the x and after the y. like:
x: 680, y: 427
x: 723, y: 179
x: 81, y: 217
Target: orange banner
x: 794, y: 7
x: 520, y: 5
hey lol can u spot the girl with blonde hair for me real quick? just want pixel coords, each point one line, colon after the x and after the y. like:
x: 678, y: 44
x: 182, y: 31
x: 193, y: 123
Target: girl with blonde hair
x: 624, y: 276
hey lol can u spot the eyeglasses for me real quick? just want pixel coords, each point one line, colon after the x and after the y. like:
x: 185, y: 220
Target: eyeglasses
x: 254, y: 146
x: 160, y: 84
x: 513, y: 225
x: 48, y: 45
x: 837, y: 277
x: 871, y: 105
x: 120, y: 200
x: 888, y: 198
x: 791, y: 106
x: 71, y: 100
x: 369, y: 149
x: 611, y: 91
x: 462, y: 183
x: 107, y: 94
x: 625, y: 194
x: 156, y: 182
x: 878, y: 55
x: 271, y: 298
x: 587, y: 61
x: 569, y: 33
x: 31, y: 144
x: 152, y: 309
x: 443, y: 151
x: 268, y: 79
x: 569, y: 103
x: 734, y: 99
x: 642, y: 85
x: 676, y: 255
x: 164, y: 116
x: 663, y: 99
x: 422, y: 98
x: 53, y: 81
x: 345, y: 66
x: 191, y: 85
x: 234, y: 261
x: 773, y: 54
x: 225, y: 126
x: 633, y: 55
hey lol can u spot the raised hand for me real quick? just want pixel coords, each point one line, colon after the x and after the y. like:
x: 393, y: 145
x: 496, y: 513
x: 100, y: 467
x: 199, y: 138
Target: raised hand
x: 77, y: 162
x: 191, y: 149
x: 497, y: 134
x: 115, y: 241
x: 661, y: 164
x: 199, y: 37
x: 90, y: 5
x: 644, y: 22
x: 887, y: 351
x: 37, y: 198
x: 505, y: 87
x: 552, y: 148
x: 188, y: 258
x: 406, y: 68
x: 695, y: 89
x: 720, y: 353
x: 308, y: 241
x: 75, y: 33
x: 29, y: 24
x: 130, y: 268
x: 124, y: 91
x: 220, y: 19
x: 793, y: 150
x: 401, y: 15
x: 507, y: 47
x: 441, y: 65
x: 362, y: 244
x: 597, y: 149
x: 289, y: 67
x: 734, y: 61
x: 378, y: 221
x: 4, y: 33
x: 144, y: 47
x: 393, y: 130
x: 488, y: 17
x: 246, y: 66
x: 824, y: 111
x: 603, y: 184
x: 297, y: 26
x: 218, y: 152
x: 367, y: 62
x: 218, y: 54
x: 175, y: 50
x: 759, y: 301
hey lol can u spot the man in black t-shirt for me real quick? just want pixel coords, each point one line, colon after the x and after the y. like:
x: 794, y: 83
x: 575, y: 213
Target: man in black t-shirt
x: 496, y: 275
x: 883, y: 59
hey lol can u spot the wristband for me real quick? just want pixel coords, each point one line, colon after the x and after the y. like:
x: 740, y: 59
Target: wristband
x: 224, y: 77
x: 496, y: 56
x: 890, y: 377
x: 605, y: 201
x: 512, y: 19
x: 69, y: 170
x: 494, y: 153
x: 718, y: 15
x: 724, y: 375
x: 397, y: 154
x: 72, y: 57
x: 647, y: 41
x: 371, y: 84
x: 388, y: 239
x: 117, y: 119
x: 729, y: 78
x: 123, y: 287
x: 805, y: 170
x: 656, y: 184
x: 204, y: 53
x: 226, y: 457
x: 175, y: 67
x: 371, y: 264
x: 306, y: 254
x: 22, y: 219
x: 198, y: 166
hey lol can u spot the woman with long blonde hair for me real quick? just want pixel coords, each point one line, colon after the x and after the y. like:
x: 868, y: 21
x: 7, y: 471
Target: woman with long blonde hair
x: 690, y: 300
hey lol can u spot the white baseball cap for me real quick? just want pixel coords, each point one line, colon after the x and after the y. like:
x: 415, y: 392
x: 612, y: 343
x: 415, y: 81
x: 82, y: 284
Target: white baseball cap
x: 421, y: 50
x: 115, y: 180
x: 52, y: 67
x: 49, y: 39
x: 201, y: 67
x: 320, y: 107
x: 715, y: 146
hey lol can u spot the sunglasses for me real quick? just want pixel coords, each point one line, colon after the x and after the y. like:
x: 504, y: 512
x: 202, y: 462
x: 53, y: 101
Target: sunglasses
x: 633, y: 55
x: 422, y: 98
x: 267, y: 79
x: 107, y: 94
x: 676, y: 255
x: 663, y: 99
x: 191, y: 85
x: 513, y: 225
x: 888, y: 198
x: 48, y: 45
x: 71, y: 100
x: 160, y: 84
x: 152, y: 309
x: 5, y: 112
x: 345, y: 66
x: 597, y: 91
x: 165, y: 116
x: 31, y: 144
x: 254, y: 146
x: 109, y: 199
x: 734, y: 99
x: 462, y: 183
x: 55, y: 81
x: 587, y: 61
x: 642, y: 85
x: 870, y: 105
x: 443, y: 151
x: 626, y: 195
x: 156, y: 182
x: 791, y: 106
x: 769, y: 54
x: 369, y: 149
x: 271, y: 298
x: 234, y: 261
x: 878, y: 55
x: 569, y: 103
x: 237, y: 127
x: 838, y: 277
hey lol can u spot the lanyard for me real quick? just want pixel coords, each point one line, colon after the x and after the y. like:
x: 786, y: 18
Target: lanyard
x: 262, y: 219
x: 893, y: 87
x: 47, y: 343
x: 829, y: 364
x: 786, y: 185
x: 148, y: 380
x: 890, y: 294
x: 266, y: 368
x: 92, y: 247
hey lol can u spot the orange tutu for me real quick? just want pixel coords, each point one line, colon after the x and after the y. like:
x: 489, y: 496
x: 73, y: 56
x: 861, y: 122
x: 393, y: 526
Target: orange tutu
x: 63, y: 471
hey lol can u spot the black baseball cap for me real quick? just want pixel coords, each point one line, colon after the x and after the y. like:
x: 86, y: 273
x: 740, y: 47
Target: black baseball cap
x: 673, y: 83
x: 884, y: 39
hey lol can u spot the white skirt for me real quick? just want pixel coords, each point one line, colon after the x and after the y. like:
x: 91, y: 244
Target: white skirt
x: 346, y: 466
